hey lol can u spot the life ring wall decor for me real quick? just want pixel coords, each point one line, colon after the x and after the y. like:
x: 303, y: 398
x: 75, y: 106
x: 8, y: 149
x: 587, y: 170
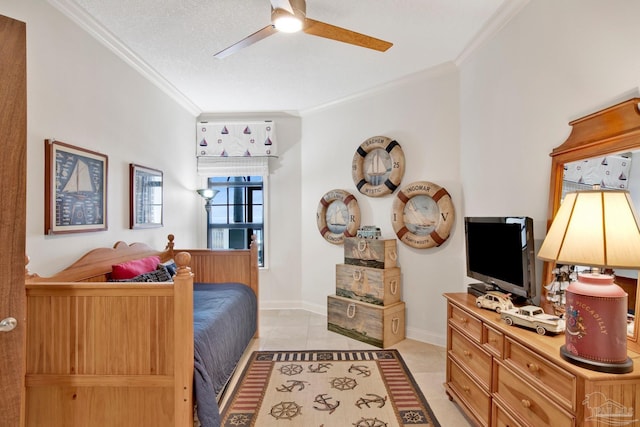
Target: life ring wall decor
x: 338, y: 216
x: 378, y: 166
x: 422, y: 215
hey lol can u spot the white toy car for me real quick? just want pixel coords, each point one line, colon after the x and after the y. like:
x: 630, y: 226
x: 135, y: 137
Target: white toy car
x: 494, y: 300
x: 533, y: 317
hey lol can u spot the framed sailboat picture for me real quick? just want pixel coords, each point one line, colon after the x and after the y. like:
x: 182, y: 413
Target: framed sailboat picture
x: 75, y: 189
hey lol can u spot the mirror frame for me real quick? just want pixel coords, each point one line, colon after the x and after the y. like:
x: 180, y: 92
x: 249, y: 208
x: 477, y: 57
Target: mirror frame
x: 612, y: 130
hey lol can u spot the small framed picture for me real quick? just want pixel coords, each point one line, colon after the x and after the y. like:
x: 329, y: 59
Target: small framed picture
x: 145, y: 197
x: 75, y: 189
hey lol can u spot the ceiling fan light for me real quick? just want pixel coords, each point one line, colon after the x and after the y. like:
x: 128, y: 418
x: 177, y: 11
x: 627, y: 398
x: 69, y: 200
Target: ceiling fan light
x: 286, y: 22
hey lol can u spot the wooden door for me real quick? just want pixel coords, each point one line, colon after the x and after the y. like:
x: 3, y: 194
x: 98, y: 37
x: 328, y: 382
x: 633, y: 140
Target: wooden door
x: 13, y: 141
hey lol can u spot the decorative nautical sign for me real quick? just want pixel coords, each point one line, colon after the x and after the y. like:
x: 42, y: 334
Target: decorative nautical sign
x: 236, y: 139
x: 338, y: 216
x: 378, y: 166
x: 422, y: 215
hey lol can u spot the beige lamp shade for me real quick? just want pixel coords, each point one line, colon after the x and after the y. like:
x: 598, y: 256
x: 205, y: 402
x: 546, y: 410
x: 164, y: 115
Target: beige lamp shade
x: 597, y: 228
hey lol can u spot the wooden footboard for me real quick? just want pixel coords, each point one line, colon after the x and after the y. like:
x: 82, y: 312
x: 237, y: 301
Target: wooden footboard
x: 118, y: 354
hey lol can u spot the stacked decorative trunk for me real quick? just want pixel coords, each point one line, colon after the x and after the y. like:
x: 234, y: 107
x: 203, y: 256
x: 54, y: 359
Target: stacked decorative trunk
x: 367, y: 305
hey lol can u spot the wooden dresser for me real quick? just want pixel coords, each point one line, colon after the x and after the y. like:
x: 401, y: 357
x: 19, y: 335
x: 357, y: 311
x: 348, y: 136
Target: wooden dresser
x: 510, y: 376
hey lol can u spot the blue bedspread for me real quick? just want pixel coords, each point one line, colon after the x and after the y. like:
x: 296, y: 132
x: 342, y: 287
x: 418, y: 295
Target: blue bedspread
x: 224, y: 321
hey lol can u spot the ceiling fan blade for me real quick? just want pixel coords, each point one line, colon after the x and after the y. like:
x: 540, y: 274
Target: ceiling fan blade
x: 328, y: 31
x: 247, y: 41
x: 282, y: 4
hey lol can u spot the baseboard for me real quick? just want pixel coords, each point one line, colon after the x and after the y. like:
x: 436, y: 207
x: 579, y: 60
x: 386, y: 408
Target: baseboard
x: 411, y: 333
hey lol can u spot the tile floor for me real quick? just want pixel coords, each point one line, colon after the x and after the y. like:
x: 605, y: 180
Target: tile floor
x: 303, y: 330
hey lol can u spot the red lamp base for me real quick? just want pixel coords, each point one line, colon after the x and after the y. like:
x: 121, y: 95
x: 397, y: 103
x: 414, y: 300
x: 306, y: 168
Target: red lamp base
x: 610, y: 368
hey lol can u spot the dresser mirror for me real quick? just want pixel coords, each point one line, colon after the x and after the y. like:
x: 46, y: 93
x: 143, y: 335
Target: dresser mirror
x: 602, y: 146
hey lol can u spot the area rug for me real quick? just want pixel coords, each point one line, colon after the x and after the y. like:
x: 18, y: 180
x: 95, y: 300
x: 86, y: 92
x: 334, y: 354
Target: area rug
x: 371, y: 388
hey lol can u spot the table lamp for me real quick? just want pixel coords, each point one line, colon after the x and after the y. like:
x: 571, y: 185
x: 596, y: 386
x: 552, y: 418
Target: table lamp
x: 598, y: 229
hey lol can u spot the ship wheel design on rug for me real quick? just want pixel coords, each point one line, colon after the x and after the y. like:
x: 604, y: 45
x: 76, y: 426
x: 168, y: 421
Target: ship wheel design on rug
x: 291, y: 369
x: 370, y: 422
x: 344, y: 383
x: 285, y: 410
x: 413, y: 417
x: 239, y: 420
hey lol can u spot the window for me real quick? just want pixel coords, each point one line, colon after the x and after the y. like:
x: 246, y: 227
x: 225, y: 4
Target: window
x: 237, y: 213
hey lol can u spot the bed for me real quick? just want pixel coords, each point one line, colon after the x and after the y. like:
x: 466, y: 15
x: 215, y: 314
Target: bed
x: 108, y: 353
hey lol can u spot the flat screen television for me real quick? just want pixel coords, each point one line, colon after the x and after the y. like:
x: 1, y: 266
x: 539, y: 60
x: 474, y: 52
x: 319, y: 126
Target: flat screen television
x: 500, y: 252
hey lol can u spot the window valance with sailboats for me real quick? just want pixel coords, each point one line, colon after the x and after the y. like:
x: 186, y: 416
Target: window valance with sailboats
x: 236, y: 139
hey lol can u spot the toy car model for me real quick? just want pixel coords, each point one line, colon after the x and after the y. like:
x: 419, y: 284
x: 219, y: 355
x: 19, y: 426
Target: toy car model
x: 494, y: 300
x: 369, y: 232
x: 533, y: 317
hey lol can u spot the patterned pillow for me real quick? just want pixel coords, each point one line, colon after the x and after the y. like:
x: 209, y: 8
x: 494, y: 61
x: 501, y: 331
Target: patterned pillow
x: 161, y: 274
x: 171, y: 266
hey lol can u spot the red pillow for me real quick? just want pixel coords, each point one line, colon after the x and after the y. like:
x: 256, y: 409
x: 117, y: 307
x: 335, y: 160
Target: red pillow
x: 131, y: 269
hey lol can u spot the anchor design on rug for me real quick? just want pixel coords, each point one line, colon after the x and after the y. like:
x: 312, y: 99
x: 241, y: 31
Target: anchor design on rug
x: 293, y: 384
x: 319, y: 369
x: 324, y: 401
x: 381, y: 401
x: 360, y: 370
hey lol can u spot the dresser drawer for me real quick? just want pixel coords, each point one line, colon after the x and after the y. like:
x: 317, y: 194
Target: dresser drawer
x: 466, y: 322
x: 524, y: 400
x: 493, y: 341
x: 471, y: 356
x: 559, y: 384
x: 474, y: 398
x: 499, y: 418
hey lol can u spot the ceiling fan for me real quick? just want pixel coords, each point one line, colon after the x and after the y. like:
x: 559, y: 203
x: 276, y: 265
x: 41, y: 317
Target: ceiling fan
x: 291, y: 16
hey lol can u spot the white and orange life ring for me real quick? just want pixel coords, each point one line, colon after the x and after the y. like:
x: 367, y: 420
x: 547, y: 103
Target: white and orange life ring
x: 338, y: 216
x: 422, y: 215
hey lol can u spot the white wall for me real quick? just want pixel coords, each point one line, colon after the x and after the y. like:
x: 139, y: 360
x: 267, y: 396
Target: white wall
x: 555, y: 62
x: 80, y: 93
x: 421, y: 113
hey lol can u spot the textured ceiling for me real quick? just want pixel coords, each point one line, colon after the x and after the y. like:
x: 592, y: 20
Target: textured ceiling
x: 174, y: 42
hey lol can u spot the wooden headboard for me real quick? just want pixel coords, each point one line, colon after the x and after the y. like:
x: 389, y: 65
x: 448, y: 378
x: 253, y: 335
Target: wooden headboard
x: 95, y: 265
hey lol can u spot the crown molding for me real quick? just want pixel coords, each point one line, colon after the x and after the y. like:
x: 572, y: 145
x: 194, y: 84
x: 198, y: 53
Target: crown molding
x: 504, y: 15
x: 429, y: 73
x: 85, y: 21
